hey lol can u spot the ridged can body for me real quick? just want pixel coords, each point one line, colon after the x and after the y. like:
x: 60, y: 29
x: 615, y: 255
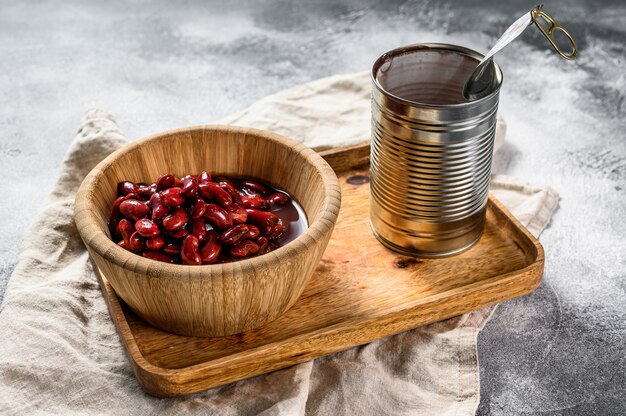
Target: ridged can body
x: 430, y: 163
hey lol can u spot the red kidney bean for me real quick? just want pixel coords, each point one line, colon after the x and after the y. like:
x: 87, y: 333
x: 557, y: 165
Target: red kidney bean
x: 115, y: 211
x: 127, y: 187
x: 190, y: 186
x: 165, y: 181
x: 115, y: 216
x: 172, y: 197
x: 234, y: 234
x: 172, y: 248
x: 223, y: 179
x: 134, y: 209
x: 135, y: 242
x: 276, y: 232
x: 125, y: 228
x: 254, y: 186
x: 264, y: 220
x: 197, y: 228
x: 204, y: 177
x: 147, y: 228
x: 264, y: 244
x: 176, y: 220
x: 278, y: 198
x: 257, y: 215
x: 253, y: 232
x: 157, y: 255
x: 213, y: 191
x: 132, y: 196
x: 218, y: 217
x: 211, y: 249
x: 247, y: 193
x: 146, y: 191
x: 226, y: 185
x: 198, y: 207
x: 159, y: 210
x: 178, y: 234
x: 155, y: 243
x: 189, y: 251
x: 244, y: 249
x: 254, y: 202
x: 237, y: 212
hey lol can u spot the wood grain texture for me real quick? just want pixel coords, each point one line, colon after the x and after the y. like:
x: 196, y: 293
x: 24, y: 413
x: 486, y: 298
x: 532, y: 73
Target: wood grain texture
x: 359, y: 292
x: 220, y: 299
x: 348, y: 157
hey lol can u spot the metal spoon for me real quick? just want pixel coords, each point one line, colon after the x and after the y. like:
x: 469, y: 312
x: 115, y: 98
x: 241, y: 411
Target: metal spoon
x: 482, y: 80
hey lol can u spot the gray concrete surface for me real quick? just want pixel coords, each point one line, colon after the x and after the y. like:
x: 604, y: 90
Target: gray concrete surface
x: 156, y: 65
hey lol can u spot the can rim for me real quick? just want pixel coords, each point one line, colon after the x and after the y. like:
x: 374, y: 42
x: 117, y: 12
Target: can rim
x: 434, y: 46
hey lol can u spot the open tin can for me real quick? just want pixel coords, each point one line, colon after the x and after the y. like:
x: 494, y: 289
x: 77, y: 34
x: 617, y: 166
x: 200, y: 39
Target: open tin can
x: 431, y: 152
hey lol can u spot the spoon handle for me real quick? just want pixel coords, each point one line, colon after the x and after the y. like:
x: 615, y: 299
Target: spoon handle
x: 509, y: 35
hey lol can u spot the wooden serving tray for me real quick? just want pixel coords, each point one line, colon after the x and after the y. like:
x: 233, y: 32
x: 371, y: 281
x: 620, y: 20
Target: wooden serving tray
x: 360, y: 292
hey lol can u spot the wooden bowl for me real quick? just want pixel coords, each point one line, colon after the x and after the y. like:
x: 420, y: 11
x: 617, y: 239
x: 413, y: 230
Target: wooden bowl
x: 221, y: 299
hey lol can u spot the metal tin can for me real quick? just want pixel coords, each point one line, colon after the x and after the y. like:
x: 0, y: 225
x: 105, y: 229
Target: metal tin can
x: 431, y: 150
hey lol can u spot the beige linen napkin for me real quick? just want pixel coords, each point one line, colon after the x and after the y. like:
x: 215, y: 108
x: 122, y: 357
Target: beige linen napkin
x: 59, y: 353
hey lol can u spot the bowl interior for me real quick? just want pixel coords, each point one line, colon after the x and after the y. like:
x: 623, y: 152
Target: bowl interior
x: 230, y: 151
